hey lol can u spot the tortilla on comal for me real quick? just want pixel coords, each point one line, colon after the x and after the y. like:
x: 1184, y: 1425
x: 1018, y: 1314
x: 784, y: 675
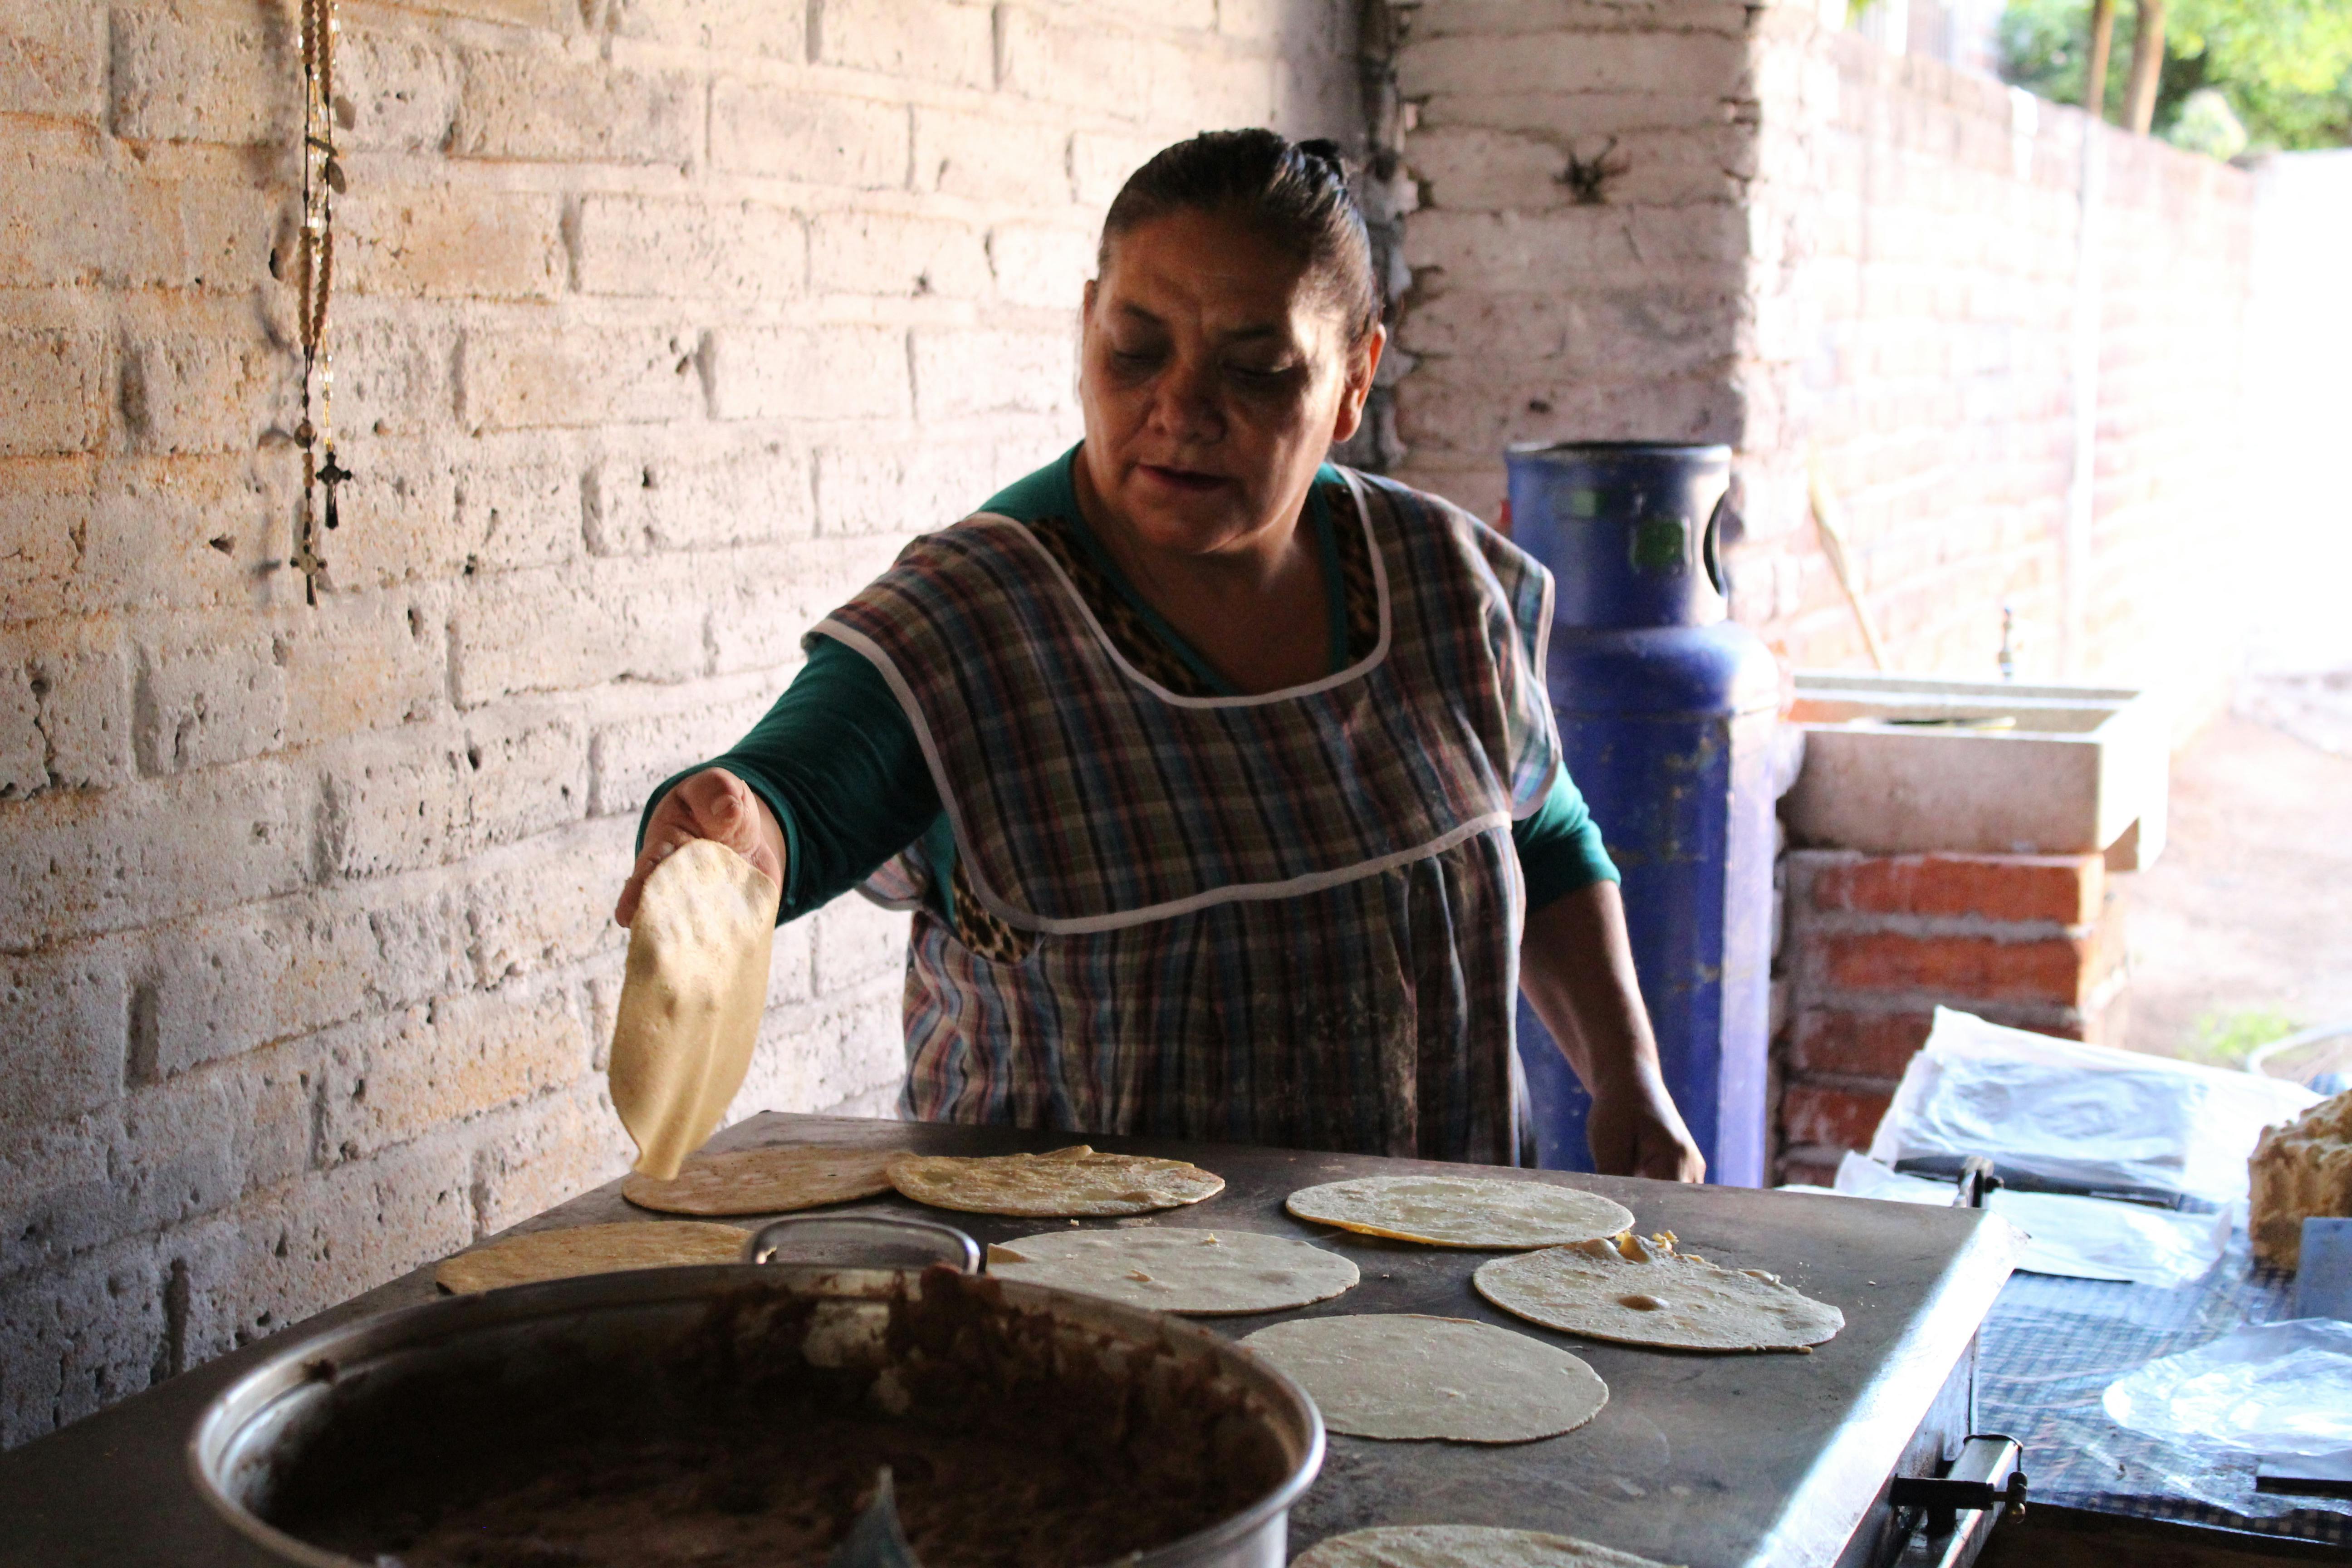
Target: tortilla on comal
x: 1640, y: 1292
x: 1462, y: 1211
x: 1072, y: 1182
x: 1402, y: 1375
x: 590, y: 1249
x: 1461, y: 1546
x: 1203, y: 1273
x: 764, y: 1181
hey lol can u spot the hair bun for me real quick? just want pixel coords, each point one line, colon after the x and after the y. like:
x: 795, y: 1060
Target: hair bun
x: 1325, y: 151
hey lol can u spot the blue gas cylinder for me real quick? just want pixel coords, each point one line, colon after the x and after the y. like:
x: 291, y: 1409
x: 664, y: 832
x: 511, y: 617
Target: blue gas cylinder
x: 1667, y: 714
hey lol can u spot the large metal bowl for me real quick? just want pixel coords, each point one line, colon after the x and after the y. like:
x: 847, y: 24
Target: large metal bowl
x: 547, y: 1337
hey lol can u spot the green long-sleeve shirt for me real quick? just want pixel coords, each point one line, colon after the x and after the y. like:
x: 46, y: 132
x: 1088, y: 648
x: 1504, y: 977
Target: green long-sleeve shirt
x: 837, y: 761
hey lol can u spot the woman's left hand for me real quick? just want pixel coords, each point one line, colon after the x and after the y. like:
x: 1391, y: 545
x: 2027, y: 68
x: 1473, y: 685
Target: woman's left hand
x: 1635, y: 1131
x: 1576, y: 965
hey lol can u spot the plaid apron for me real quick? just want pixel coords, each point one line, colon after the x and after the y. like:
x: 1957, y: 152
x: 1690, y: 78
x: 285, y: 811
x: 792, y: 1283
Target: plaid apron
x: 1290, y: 918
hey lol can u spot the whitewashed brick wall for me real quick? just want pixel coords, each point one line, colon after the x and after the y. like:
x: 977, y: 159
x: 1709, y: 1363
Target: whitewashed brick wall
x: 1811, y: 243
x: 661, y: 325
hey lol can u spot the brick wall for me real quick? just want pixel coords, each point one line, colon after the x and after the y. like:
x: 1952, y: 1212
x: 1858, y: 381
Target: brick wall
x: 1801, y: 242
x: 1874, y: 944
x: 661, y: 324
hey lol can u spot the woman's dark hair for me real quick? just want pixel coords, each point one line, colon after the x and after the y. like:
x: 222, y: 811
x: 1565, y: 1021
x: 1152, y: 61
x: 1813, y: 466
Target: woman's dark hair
x: 1294, y: 194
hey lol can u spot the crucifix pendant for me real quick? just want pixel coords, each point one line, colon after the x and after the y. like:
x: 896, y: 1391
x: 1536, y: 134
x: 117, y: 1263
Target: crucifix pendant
x: 330, y: 475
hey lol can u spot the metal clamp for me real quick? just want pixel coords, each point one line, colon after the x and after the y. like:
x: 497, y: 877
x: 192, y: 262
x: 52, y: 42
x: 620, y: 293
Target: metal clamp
x: 1985, y: 1481
x: 863, y: 1241
x: 1977, y: 1182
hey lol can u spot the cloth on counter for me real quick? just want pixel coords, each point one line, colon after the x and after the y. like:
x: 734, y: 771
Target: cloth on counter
x: 2089, y: 1117
x: 2262, y: 1388
x: 2084, y: 1238
x: 2051, y: 1347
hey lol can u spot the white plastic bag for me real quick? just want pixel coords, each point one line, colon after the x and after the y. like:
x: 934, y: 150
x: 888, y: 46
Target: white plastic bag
x: 2089, y: 1116
x: 2081, y: 1238
x: 2277, y: 1388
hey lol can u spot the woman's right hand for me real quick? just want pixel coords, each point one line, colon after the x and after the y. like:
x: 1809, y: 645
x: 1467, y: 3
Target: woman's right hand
x: 714, y: 804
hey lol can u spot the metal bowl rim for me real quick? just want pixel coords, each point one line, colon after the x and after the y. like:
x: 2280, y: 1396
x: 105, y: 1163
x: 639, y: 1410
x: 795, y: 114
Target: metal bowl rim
x: 268, y: 1381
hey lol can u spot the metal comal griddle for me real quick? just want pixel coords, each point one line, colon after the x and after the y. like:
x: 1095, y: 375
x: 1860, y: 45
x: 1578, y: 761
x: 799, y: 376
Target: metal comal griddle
x: 1714, y: 1461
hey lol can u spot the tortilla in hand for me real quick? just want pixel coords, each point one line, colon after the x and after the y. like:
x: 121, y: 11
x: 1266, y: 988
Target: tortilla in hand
x: 690, y: 1003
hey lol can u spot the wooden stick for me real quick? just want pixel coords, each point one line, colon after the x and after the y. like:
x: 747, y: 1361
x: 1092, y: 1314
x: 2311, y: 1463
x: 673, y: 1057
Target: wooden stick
x: 1828, y: 520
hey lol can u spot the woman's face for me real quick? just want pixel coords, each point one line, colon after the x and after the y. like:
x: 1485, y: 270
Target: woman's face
x: 1214, y: 376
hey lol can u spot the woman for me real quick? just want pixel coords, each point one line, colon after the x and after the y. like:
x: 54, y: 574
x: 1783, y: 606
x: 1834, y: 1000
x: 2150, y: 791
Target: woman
x: 1221, y: 781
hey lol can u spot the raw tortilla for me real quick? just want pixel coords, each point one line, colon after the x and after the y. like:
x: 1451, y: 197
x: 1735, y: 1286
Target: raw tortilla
x: 1461, y: 1546
x: 1462, y: 1211
x: 1208, y: 1273
x: 1646, y: 1293
x: 1404, y: 1376
x: 590, y: 1249
x: 690, y: 1003
x: 764, y: 1181
x: 1068, y: 1182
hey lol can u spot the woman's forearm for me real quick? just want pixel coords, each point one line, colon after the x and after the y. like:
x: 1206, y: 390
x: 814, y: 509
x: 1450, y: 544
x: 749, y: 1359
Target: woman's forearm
x: 1576, y: 965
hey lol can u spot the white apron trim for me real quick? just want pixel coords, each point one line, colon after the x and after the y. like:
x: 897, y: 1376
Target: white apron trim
x: 1237, y: 893
x: 1178, y: 700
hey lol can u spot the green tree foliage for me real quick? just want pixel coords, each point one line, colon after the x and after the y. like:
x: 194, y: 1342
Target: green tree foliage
x: 2283, y: 67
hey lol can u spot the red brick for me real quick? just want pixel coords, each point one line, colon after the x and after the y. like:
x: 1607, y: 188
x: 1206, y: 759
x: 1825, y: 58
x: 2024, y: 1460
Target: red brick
x: 1868, y: 1045
x: 2064, y: 889
x: 1959, y: 969
x: 1832, y: 1118
x: 1809, y: 1171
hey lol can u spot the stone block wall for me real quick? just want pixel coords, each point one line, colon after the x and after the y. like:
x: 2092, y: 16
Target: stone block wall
x: 1541, y: 311
x: 660, y: 325
x: 1684, y: 220
x: 1874, y: 944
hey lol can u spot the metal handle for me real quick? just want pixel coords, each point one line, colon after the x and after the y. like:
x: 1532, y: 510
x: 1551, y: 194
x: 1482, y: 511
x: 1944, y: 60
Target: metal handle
x: 863, y: 1241
x: 1724, y: 518
x: 1986, y: 1483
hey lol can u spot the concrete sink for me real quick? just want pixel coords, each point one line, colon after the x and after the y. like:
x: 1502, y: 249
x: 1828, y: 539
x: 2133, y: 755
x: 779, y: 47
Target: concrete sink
x: 1898, y: 765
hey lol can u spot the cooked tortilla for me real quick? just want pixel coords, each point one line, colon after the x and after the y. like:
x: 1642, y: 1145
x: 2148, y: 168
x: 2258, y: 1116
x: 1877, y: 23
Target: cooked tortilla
x: 1461, y: 1546
x: 1402, y: 1375
x: 691, y: 1001
x: 764, y: 1181
x: 590, y: 1249
x: 1642, y: 1292
x: 1068, y: 1182
x: 1206, y: 1273
x: 1462, y: 1211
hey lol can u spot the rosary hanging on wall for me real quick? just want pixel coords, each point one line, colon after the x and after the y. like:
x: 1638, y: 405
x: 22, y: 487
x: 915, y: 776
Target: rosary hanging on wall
x: 322, y: 181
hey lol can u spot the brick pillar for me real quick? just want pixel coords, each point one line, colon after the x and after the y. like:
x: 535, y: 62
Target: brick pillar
x: 1876, y: 942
